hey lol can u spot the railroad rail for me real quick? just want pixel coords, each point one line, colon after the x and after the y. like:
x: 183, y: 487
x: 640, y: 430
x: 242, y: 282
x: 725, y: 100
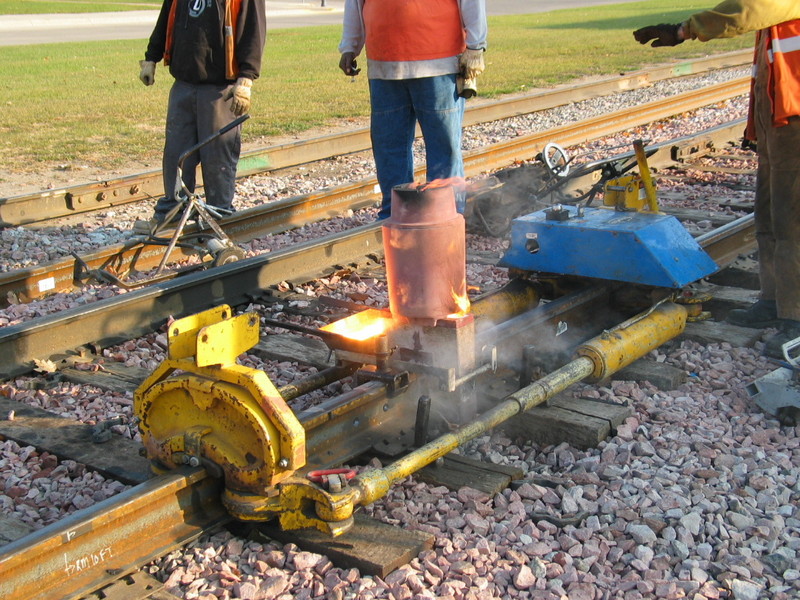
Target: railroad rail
x: 50, y: 204
x: 59, y: 276
x: 115, y: 319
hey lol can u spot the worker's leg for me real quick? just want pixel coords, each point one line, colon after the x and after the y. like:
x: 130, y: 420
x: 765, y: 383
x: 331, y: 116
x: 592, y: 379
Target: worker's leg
x: 783, y: 160
x: 219, y: 158
x: 777, y: 213
x: 392, y: 125
x: 763, y: 313
x: 440, y: 112
x: 180, y: 134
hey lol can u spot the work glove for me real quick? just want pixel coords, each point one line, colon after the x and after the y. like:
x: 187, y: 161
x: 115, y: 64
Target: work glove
x: 348, y: 65
x: 147, y: 71
x: 470, y: 63
x: 239, y: 92
x: 466, y: 88
x: 663, y: 34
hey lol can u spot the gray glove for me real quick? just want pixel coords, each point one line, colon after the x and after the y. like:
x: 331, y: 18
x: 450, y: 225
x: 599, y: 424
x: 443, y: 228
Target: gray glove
x: 147, y: 72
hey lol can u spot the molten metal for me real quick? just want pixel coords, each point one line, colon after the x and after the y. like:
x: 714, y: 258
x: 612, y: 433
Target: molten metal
x: 361, y: 326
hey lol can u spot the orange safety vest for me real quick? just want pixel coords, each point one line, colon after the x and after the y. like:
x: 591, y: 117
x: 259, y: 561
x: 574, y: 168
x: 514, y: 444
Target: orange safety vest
x: 403, y: 30
x: 232, y: 10
x: 783, y: 77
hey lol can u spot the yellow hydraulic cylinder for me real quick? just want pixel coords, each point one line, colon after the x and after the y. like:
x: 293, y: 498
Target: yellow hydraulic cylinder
x: 617, y: 348
x: 598, y: 358
x: 374, y: 484
x: 512, y: 299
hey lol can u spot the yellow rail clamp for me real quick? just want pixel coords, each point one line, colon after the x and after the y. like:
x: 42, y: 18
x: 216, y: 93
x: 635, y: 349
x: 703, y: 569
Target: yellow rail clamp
x: 220, y: 343
x: 182, y: 334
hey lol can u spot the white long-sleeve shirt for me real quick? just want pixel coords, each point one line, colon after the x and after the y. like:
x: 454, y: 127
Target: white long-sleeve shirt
x: 473, y: 18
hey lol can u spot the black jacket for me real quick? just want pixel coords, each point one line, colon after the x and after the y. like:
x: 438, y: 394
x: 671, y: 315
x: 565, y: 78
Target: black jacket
x: 198, y: 53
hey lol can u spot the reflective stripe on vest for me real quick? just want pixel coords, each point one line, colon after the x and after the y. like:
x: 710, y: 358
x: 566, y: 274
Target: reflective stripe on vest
x: 784, y: 58
x: 404, y: 30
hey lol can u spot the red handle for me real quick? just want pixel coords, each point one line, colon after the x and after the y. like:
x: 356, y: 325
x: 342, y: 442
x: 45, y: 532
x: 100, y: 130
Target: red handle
x: 318, y: 476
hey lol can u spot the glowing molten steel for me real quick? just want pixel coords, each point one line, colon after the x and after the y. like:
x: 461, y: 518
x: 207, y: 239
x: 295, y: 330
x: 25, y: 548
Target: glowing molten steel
x: 361, y: 326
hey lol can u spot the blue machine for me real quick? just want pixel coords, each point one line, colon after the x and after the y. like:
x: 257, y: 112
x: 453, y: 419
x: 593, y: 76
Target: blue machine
x: 638, y: 247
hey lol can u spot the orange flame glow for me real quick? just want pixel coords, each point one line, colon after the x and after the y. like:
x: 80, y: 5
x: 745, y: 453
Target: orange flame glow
x: 361, y: 326
x: 462, y: 302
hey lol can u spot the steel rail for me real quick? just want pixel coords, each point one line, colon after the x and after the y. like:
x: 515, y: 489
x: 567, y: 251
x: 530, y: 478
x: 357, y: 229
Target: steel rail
x: 50, y: 204
x: 136, y: 313
x: 143, y: 311
x: 123, y: 317
x: 58, y: 276
x: 97, y: 545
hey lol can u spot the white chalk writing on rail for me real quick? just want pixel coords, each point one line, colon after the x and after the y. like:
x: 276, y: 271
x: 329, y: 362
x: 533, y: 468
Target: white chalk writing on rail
x: 73, y: 566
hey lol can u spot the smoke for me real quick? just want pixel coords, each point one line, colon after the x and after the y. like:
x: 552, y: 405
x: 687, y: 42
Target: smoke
x: 492, y: 206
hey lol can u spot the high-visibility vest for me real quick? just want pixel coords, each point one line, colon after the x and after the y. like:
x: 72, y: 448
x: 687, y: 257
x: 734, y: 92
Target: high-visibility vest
x: 231, y: 19
x: 404, y: 30
x: 783, y: 76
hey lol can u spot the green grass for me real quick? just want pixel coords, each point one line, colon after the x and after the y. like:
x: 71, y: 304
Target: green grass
x: 41, y: 7
x: 82, y: 103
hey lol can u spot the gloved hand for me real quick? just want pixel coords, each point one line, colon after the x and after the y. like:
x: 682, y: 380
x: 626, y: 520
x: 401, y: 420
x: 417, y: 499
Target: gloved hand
x: 348, y: 65
x: 663, y: 34
x: 147, y: 72
x: 466, y: 88
x: 240, y: 93
x: 470, y: 63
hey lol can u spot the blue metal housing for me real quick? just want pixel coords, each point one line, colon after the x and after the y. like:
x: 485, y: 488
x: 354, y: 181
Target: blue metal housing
x: 637, y: 247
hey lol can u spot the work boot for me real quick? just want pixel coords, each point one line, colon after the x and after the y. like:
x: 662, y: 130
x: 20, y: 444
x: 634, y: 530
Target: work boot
x: 762, y: 314
x: 789, y: 330
x: 146, y: 227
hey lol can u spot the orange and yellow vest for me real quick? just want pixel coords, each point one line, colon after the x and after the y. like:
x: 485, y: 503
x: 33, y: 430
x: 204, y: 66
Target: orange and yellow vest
x: 783, y: 77
x: 405, y: 30
x: 232, y: 10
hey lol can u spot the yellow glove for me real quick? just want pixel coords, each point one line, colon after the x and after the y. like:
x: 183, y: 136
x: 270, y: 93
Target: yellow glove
x: 240, y: 93
x: 148, y: 72
x: 471, y: 63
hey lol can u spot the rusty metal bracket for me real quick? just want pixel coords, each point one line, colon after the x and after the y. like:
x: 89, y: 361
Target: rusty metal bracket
x: 395, y: 382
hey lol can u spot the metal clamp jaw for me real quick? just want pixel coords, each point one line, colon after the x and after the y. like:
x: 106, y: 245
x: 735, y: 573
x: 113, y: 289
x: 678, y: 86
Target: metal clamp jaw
x: 199, y: 406
x: 300, y: 504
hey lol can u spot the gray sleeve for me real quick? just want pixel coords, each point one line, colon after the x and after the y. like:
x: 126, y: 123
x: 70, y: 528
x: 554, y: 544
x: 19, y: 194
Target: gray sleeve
x: 473, y: 17
x: 353, y: 34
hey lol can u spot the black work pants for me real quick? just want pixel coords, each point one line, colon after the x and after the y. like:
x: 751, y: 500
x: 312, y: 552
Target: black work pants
x: 194, y: 113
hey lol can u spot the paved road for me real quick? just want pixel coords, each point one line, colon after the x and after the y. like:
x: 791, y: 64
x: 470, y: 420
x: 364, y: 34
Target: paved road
x: 16, y: 30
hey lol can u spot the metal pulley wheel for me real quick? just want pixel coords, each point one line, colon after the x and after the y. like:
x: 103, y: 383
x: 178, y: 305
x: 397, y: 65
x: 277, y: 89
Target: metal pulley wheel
x: 224, y: 252
x: 555, y: 159
x: 227, y: 255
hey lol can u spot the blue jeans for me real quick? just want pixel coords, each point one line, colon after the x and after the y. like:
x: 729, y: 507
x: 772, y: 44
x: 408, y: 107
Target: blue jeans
x: 397, y: 105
